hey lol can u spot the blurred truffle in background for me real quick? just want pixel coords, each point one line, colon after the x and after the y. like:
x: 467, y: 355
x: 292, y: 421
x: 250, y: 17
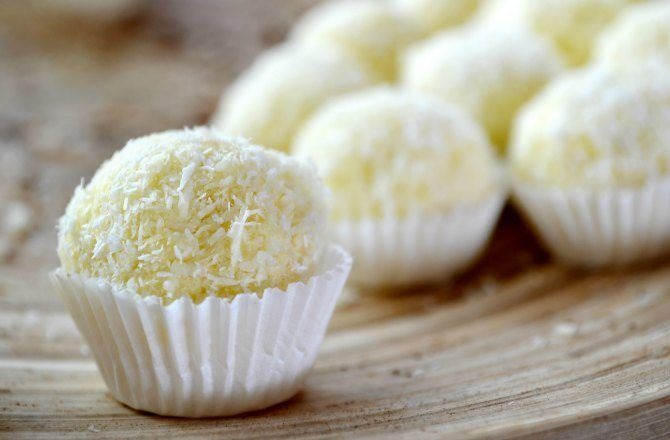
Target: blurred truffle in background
x: 490, y: 72
x: 591, y: 155
x: 640, y: 32
x: 416, y: 188
x: 373, y: 31
x: 432, y: 16
x: 571, y: 25
x: 270, y: 101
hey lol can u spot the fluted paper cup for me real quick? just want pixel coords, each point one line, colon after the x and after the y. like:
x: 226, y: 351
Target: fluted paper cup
x: 216, y: 358
x: 393, y: 252
x: 604, y: 227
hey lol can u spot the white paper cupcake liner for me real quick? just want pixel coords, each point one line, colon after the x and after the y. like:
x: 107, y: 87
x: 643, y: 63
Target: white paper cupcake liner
x: 595, y: 228
x: 219, y: 357
x: 417, y: 249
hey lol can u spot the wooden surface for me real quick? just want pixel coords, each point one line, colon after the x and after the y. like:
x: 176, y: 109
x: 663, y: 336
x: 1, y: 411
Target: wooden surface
x: 516, y: 347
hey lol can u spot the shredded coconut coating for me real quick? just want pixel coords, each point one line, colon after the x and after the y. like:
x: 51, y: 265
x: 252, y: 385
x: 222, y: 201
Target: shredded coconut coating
x: 490, y: 72
x: 596, y: 129
x: 640, y: 32
x: 571, y: 25
x: 283, y: 87
x: 387, y: 153
x: 372, y: 31
x: 195, y: 213
x: 434, y: 15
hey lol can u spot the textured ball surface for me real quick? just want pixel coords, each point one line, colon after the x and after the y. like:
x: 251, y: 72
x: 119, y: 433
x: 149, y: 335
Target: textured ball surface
x: 489, y: 72
x: 373, y: 32
x: 273, y: 98
x: 571, y: 25
x: 640, y: 32
x: 434, y: 15
x: 194, y: 213
x: 596, y: 129
x: 386, y: 153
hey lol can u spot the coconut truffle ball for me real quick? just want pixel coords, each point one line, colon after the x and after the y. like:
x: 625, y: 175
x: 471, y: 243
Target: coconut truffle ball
x: 194, y: 213
x: 388, y: 153
x: 571, y: 25
x: 433, y: 15
x: 640, y: 32
x: 372, y: 31
x: 596, y: 129
x: 284, y: 86
x: 490, y: 72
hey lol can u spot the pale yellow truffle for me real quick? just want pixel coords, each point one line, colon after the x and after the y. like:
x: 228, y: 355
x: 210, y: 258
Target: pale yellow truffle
x: 269, y: 102
x: 388, y: 153
x: 596, y: 129
x: 194, y: 213
x: 489, y: 72
x: 571, y: 25
x: 373, y: 32
x: 434, y: 15
x: 639, y: 33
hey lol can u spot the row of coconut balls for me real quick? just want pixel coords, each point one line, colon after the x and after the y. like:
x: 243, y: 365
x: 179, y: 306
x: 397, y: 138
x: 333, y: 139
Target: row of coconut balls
x: 418, y: 131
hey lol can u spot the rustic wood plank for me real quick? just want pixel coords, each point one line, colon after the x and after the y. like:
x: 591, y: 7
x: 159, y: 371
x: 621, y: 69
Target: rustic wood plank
x: 547, y: 351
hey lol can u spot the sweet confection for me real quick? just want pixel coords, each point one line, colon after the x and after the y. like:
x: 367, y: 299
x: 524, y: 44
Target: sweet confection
x: 571, y: 25
x: 194, y: 213
x: 591, y: 161
x: 374, y: 32
x: 488, y: 71
x: 596, y: 129
x: 434, y: 15
x: 639, y: 33
x: 270, y: 101
x: 409, y: 152
x: 403, y: 170
x: 193, y: 264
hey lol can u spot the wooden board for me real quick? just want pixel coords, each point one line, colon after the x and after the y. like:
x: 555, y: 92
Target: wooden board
x: 516, y: 347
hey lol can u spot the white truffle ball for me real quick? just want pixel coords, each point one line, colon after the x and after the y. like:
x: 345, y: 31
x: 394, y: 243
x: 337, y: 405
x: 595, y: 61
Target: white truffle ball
x: 434, y: 15
x: 373, y: 32
x: 596, y: 128
x: 571, y: 25
x: 489, y: 72
x: 194, y: 213
x: 640, y: 32
x: 388, y: 153
x: 270, y: 101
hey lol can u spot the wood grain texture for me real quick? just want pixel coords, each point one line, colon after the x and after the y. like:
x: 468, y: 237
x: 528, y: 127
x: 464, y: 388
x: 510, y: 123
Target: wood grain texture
x: 516, y: 347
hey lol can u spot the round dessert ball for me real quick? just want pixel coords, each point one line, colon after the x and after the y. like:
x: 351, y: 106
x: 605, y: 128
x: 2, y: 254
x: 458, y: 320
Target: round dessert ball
x: 640, y: 32
x: 596, y: 129
x: 387, y: 153
x: 194, y: 213
x: 571, y: 25
x: 284, y: 86
x: 434, y: 15
x: 489, y: 72
x: 372, y: 31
